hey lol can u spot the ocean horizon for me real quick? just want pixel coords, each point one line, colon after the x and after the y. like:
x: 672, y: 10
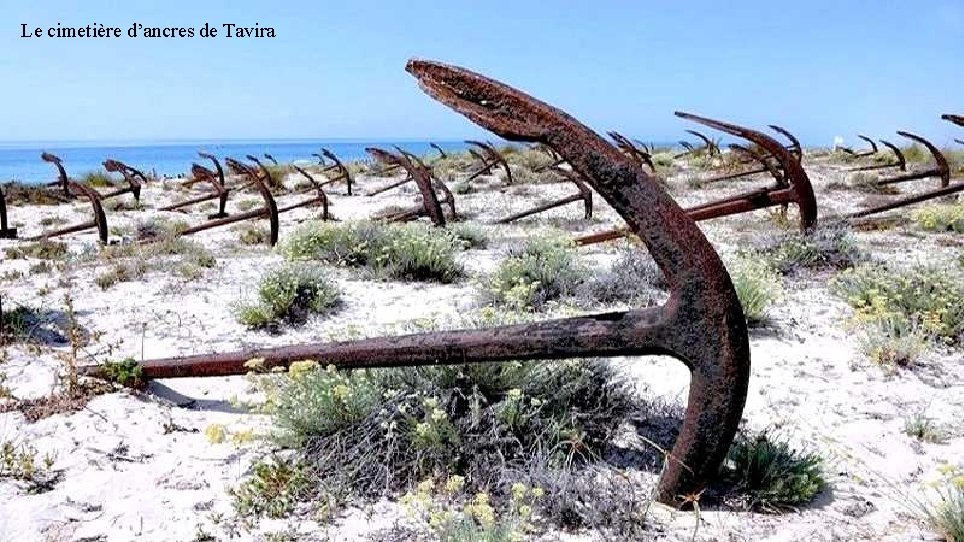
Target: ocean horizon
x: 20, y: 161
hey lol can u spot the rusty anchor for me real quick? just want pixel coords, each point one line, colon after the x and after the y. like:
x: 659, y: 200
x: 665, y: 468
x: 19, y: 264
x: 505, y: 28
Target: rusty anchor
x: 320, y: 197
x: 216, y: 180
x: 6, y: 232
x: 62, y: 179
x: 710, y: 148
x: 441, y: 152
x: 584, y: 195
x: 702, y: 324
x: 133, y: 177
x: 489, y: 157
x: 873, y: 148
x: 795, y: 148
x: 901, y: 161
x: 421, y: 174
x: 100, y: 219
x: 269, y: 157
x: 343, y: 173
x: 793, y: 185
x: 941, y: 168
x: 270, y: 208
x: 956, y: 119
x: 640, y: 156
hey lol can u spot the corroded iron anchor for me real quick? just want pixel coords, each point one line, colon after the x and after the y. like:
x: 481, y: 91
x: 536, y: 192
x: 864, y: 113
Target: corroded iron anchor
x: 99, y: 221
x: 941, y: 169
x: 421, y: 174
x: 6, y: 232
x: 343, y: 173
x: 702, y: 324
x: 489, y: 157
x: 584, y: 195
x: 901, y: 161
x: 132, y: 176
x: 793, y: 185
x: 216, y: 180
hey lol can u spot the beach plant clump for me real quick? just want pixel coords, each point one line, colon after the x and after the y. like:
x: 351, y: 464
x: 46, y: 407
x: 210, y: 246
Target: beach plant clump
x: 16, y: 324
x: 413, y: 252
x: 758, y: 286
x: 372, y: 433
x: 765, y: 472
x: 928, y: 298
x: 132, y: 261
x: 942, y: 218
x: 542, y: 269
x: 470, y: 233
x: 634, y: 279
x: 945, y: 513
x: 818, y: 249
x: 41, y: 250
x: 98, y: 179
x: 289, y: 293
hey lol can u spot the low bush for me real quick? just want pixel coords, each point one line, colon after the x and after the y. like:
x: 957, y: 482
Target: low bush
x: 945, y: 514
x: 471, y: 234
x: 97, y: 179
x: 289, y: 293
x: 766, y: 473
x: 540, y: 270
x: 634, y: 279
x: 946, y: 217
x: 818, y: 249
x: 929, y: 297
x: 396, y: 251
x: 757, y: 285
x: 372, y: 433
x: 42, y: 250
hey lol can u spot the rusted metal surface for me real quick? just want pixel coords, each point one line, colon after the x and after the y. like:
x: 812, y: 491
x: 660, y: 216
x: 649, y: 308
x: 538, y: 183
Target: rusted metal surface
x: 911, y: 200
x: 132, y: 177
x: 270, y: 209
x: 901, y: 161
x: 793, y: 185
x: 753, y: 156
x: 320, y: 196
x: 640, y: 156
x: 337, y: 165
x: 203, y: 174
x: 441, y: 152
x: 702, y: 324
x: 709, y: 146
x: 956, y: 119
x: 62, y: 180
x: 584, y: 195
x: 421, y: 174
x: 492, y: 158
x: 941, y: 169
x: 6, y: 232
x: 794, y: 147
x: 99, y: 222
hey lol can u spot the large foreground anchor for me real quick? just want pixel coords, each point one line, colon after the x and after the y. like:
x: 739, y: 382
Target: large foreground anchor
x: 793, y: 185
x: 701, y: 324
x: 99, y: 221
x: 941, y: 168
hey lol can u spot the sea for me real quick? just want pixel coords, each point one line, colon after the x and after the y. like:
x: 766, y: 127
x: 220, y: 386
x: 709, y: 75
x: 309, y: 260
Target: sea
x: 20, y: 162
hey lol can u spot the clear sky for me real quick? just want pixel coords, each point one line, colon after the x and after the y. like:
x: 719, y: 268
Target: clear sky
x: 336, y: 69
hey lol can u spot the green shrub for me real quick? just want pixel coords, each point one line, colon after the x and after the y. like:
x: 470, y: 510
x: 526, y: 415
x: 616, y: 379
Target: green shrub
x: 470, y: 233
x: 17, y: 324
x: 634, y: 279
x: 866, y: 182
x: 946, y: 514
x: 253, y: 235
x: 273, y: 489
x: 757, y: 285
x: 931, y: 297
x: 820, y: 248
x: 97, y: 179
x: 290, y: 293
x: 768, y: 474
x: 543, y: 269
x: 374, y: 432
x: 923, y: 428
x: 125, y: 271
x: 396, y: 251
x: 42, y: 250
x: 947, y: 217
x: 893, y: 341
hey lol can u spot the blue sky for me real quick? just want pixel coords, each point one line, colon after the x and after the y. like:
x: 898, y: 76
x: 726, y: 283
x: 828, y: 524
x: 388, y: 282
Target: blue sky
x: 821, y: 68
